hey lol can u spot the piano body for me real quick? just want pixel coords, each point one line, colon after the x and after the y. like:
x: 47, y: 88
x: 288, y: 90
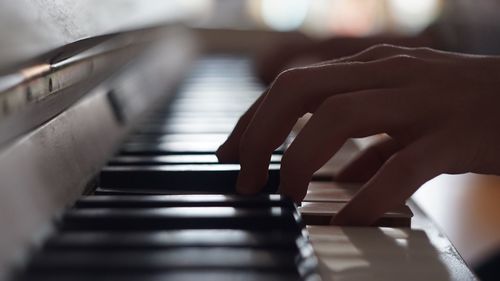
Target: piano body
x: 107, y: 171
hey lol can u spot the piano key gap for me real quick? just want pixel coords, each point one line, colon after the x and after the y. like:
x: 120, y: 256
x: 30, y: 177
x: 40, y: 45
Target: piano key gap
x: 50, y: 85
x: 5, y: 106
x: 29, y: 94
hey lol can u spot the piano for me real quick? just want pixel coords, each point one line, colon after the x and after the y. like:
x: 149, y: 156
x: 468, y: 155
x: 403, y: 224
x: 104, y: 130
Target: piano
x: 108, y: 172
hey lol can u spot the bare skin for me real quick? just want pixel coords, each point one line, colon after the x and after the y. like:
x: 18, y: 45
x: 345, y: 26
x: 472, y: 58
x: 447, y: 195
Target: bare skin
x: 440, y: 112
x: 296, y: 51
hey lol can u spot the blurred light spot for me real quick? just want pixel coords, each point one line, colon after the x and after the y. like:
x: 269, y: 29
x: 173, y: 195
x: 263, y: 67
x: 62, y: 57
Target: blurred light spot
x: 413, y: 15
x: 354, y: 17
x: 284, y: 15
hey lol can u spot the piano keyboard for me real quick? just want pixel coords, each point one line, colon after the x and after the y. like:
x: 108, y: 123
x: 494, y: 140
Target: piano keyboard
x: 184, y: 237
x: 164, y: 209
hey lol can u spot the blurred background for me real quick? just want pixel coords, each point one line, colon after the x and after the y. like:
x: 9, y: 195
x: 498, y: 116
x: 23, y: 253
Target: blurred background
x: 318, y: 18
x: 468, y: 26
x: 29, y: 28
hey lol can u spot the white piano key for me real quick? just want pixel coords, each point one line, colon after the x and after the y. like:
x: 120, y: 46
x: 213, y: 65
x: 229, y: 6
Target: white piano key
x: 321, y: 213
x: 367, y: 253
x: 329, y: 191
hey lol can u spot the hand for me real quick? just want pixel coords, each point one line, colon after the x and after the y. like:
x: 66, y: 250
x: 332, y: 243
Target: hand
x: 440, y: 111
x: 296, y: 50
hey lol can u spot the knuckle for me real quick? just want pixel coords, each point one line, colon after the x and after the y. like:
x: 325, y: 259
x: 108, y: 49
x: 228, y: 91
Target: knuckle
x: 423, y: 50
x: 287, y: 77
x: 286, y: 90
x: 282, y: 83
x: 404, y: 62
x: 379, y: 50
x: 384, y: 47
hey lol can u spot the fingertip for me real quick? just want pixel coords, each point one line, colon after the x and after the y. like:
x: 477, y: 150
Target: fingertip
x: 293, y: 188
x: 222, y: 155
x: 250, y: 183
x: 227, y: 153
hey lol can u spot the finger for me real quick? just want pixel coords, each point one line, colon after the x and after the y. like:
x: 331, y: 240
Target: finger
x: 338, y: 118
x: 367, y: 163
x: 291, y: 96
x: 228, y: 151
x: 394, y: 183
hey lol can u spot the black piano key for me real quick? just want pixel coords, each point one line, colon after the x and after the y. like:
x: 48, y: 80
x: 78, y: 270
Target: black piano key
x: 195, y: 119
x: 179, y: 123
x: 173, y: 159
x: 164, y: 159
x: 168, y: 148
x: 207, y: 200
x: 209, y: 107
x: 129, y: 219
x: 138, y: 260
x: 175, y: 138
x: 196, y: 237
x: 166, y: 116
x: 171, y: 275
x: 70, y: 240
x: 215, y: 86
x: 171, y: 128
x: 216, y: 178
x: 141, y: 191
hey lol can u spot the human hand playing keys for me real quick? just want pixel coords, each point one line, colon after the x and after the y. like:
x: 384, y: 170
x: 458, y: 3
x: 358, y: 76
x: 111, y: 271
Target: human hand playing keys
x: 439, y: 110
